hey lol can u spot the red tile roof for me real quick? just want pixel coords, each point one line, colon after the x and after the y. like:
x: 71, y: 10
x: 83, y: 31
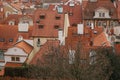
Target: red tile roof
x: 8, y: 32
x: 90, y: 8
x: 25, y: 46
x: 16, y: 18
x: 117, y: 49
x: 48, y: 23
x: 76, y: 18
x: 101, y: 40
x: 10, y: 64
x: 45, y: 49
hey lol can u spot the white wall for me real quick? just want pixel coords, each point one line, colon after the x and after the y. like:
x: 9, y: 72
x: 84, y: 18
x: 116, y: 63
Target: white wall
x: 15, y: 52
x: 22, y: 59
x: 102, y: 10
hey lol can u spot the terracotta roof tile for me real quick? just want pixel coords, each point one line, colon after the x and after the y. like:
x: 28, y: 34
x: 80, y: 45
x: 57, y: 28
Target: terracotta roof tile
x: 117, y: 49
x: 90, y: 8
x: 9, y: 34
x: 25, y: 46
x: 76, y: 11
x: 10, y: 64
x: 101, y: 40
x: 44, y: 50
x: 47, y: 29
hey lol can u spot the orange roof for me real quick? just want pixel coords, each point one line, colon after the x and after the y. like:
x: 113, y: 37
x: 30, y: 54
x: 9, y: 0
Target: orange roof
x: 2, y: 72
x: 9, y: 32
x: 117, y: 49
x: 48, y: 23
x: 90, y: 7
x: 76, y: 13
x: 118, y: 10
x: 16, y: 18
x: 25, y: 46
x: 45, y: 49
x: 101, y: 40
x: 10, y: 64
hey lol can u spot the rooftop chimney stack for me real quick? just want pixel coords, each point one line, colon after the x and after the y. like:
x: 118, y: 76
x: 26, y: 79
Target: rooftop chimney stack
x: 80, y: 29
x: 60, y: 36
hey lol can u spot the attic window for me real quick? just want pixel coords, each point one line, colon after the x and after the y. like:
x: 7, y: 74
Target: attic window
x: 101, y: 14
x: 70, y: 13
x: 42, y: 16
x: 41, y: 26
x: 2, y: 40
x: 56, y: 26
x: 11, y: 40
x: 57, y: 17
x: 38, y: 21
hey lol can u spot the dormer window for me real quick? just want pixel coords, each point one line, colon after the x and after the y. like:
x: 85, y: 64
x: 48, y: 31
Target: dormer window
x: 38, y: 21
x: 70, y: 13
x: 41, y: 26
x: 2, y: 40
x: 11, y: 40
x: 56, y: 26
x: 57, y: 17
x: 102, y: 12
x: 42, y: 16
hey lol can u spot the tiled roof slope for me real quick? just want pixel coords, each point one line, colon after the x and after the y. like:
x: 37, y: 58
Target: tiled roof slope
x: 25, y: 46
x: 76, y: 11
x: 45, y: 49
x: 8, y: 32
x: 10, y: 64
x: 49, y: 22
x: 92, y: 6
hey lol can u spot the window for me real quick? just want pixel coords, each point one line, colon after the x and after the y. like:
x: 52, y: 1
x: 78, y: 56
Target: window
x: 15, y: 58
x: 42, y: 16
x: 71, y: 56
x: 11, y: 40
x: 70, y: 13
x: 56, y: 26
x: 38, y: 21
x: 41, y: 26
x: 101, y: 14
x: 38, y: 42
x: 57, y: 17
x: 2, y: 40
x: 12, y: 58
x: 92, y: 56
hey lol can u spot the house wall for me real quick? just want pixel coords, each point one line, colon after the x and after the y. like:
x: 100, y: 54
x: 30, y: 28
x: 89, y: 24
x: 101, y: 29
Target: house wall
x: 42, y: 41
x: 101, y: 11
x: 15, y: 52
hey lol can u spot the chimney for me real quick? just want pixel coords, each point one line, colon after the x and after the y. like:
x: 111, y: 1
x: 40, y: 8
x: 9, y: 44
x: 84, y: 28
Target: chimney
x: 92, y: 26
x: 80, y: 29
x: 60, y: 36
x: 23, y: 27
x: 66, y: 25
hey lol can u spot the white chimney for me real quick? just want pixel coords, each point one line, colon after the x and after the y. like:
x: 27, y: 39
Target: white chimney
x: 92, y: 26
x: 80, y: 29
x: 1, y: 9
x: 23, y: 27
x: 60, y: 36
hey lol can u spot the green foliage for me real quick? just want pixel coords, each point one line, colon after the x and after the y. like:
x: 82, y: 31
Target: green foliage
x: 16, y: 72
